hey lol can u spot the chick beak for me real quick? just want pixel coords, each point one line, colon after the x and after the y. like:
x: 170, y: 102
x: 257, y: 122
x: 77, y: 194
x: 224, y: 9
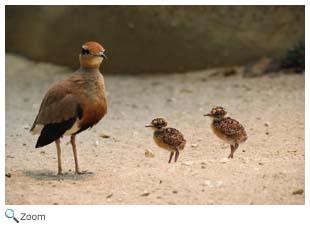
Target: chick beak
x: 103, y: 55
x: 207, y: 114
x: 149, y: 125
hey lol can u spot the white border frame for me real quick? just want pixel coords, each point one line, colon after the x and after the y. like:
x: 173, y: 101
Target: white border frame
x: 157, y: 216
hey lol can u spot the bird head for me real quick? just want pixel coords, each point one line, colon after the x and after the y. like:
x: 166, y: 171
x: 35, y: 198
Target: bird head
x: 92, y: 54
x: 217, y: 113
x: 157, y: 123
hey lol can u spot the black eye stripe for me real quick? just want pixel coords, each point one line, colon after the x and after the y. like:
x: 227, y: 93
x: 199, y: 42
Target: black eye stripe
x: 85, y: 51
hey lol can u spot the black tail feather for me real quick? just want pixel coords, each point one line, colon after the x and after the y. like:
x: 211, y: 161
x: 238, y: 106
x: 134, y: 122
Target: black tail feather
x: 54, y: 131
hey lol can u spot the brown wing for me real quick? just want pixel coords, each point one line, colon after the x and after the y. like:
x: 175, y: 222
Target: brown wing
x: 57, y: 106
x: 231, y: 127
x: 58, y: 113
x: 173, y: 137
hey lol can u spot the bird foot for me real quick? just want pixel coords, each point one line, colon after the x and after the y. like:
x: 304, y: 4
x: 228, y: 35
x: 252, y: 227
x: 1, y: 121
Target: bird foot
x: 231, y: 156
x: 83, y: 172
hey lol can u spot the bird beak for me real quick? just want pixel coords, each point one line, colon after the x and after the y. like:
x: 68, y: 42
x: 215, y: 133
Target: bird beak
x: 101, y: 54
x: 207, y: 114
x: 150, y: 125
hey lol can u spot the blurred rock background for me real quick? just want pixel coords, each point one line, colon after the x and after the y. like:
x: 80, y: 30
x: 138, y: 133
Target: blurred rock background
x: 155, y: 39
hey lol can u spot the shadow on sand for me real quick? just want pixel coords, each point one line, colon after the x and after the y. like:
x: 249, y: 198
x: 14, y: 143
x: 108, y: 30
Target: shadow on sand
x: 49, y: 175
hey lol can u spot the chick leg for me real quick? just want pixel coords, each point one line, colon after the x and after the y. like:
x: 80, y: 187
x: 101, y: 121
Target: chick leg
x: 233, y: 148
x: 176, y: 154
x: 231, y: 155
x: 57, y: 142
x: 236, y: 146
x: 171, y: 155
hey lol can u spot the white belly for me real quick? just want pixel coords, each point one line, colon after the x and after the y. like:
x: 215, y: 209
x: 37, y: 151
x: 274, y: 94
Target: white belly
x: 73, y: 129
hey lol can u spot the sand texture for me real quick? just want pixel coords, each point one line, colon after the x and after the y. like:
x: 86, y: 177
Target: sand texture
x: 267, y: 169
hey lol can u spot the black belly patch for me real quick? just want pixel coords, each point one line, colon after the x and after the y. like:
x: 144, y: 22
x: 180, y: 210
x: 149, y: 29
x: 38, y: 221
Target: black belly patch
x: 54, y: 131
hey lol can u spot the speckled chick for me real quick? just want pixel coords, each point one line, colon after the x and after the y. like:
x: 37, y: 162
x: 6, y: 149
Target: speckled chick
x: 167, y: 138
x: 227, y: 129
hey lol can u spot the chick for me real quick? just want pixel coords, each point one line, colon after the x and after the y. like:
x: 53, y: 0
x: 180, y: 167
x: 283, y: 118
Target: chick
x: 227, y: 129
x: 168, y: 138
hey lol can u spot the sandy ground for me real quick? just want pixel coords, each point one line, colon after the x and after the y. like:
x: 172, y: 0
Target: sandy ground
x: 267, y: 169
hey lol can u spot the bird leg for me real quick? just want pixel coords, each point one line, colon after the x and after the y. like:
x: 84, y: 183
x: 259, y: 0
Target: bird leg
x: 231, y: 155
x: 233, y: 148
x: 57, y: 141
x: 236, y: 146
x: 176, y: 154
x: 171, y: 155
x: 77, y: 168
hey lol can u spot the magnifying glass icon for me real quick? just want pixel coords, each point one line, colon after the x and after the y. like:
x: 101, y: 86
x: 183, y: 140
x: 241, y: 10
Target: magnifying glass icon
x: 9, y: 213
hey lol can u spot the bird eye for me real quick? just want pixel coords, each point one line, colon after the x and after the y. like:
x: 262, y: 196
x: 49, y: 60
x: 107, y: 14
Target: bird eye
x: 85, y: 51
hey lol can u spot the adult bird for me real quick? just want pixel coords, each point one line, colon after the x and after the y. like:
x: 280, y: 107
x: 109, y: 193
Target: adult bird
x: 74, y: 104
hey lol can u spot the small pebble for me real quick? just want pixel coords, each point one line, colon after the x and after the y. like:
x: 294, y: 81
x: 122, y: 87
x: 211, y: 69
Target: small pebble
x: 8, y: 175
x: 194, y: 145
x: 267, y: 133
x: 172, y: 99
x: 145, y: 194
x: 174, y: 191
x: 105, y: 136
x: 187, y: 163
x: 267, y: 124
x: 243, y: 151
x: 260, y: 163
x: 109, y: 196
x: 298, y: 192
x: 148, y: 154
